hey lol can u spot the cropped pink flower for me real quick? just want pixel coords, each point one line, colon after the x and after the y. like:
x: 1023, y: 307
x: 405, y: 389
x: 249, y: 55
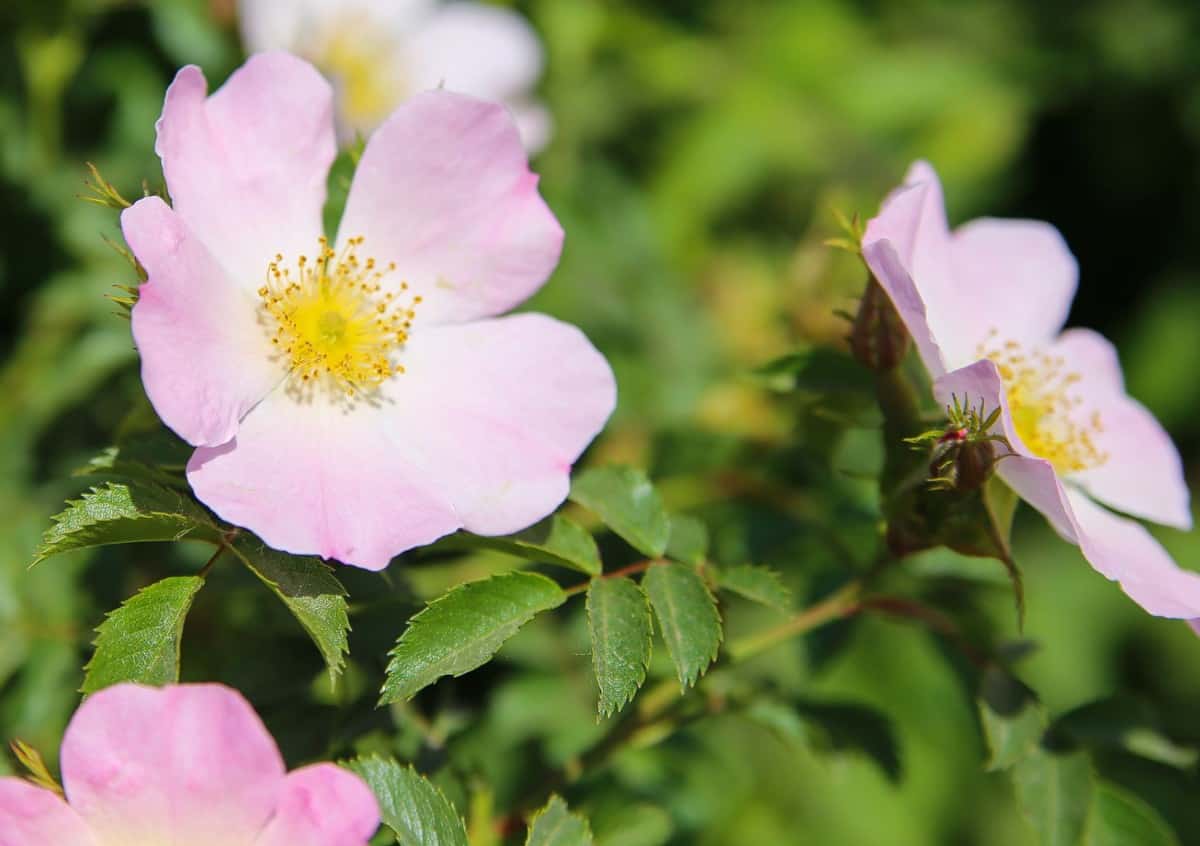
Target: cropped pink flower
x: 378, y: 52
x: 985, y: 305
x: 186, y: 765
x: 359, y: 398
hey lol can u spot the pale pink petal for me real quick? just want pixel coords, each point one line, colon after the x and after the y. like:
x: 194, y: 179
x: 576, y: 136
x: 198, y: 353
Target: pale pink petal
x: 475, y: 49
x: 310, y: 477
x: 247, y: 167
x: 1018, y: 277
x: 1122, y: 550
x: 33, y: 816
x: 1093, y: 358
x: 205, y: 359
x: 497, y: 411
x: 1142, y: 473
x: 907, y: 247
x: 322, y: 805
x: 444, y: 190
x: 189, y: 765
x: 1034, y: 479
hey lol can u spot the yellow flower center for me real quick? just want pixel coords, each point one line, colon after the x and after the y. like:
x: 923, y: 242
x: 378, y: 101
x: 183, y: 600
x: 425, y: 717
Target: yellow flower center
x: 361, y: 62
x: 1045, y: 411
x: 331, y: 318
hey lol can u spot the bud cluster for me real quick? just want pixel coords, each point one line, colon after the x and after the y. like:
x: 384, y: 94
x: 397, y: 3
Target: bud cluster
x: 963, y: 453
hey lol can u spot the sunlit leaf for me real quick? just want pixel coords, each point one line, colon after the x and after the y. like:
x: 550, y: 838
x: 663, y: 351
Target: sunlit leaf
x: 462, y: 630
x: 117, y: 513
x: 310, y: 591
x: 687, y: 617
x: 619, y: 622
x: 555, y: 825
x: 689, y: 539
x: 759, y: 584
x: 410, y: 804
x: 555, y: 540
x: 139, y: 642
x: 628, y: 504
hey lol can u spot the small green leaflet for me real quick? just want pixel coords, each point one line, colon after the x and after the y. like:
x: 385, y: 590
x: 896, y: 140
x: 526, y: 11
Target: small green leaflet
x: 1012, y: 719
x: 628, y: 504
x: 1120, y: 819
x: 309, y: 589
x: 410, y: 804
x: 758, y: 584
x: 687, y: 617
x: 619, y: 622
x: 126, y: 513
x: 689, y: 540
x: 1054, y: 792
x: 555, y: 540
x: 139, y: 642
x: 555, y: 825
x: 462, y: 629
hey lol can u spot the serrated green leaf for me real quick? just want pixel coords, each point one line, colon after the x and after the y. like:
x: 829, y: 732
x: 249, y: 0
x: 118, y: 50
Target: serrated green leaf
x: 410, y: 804
x: 628, y: 504
x: 117, y: 513
x: 310, y: 591
x: 756, y: 583
x: 1012, y: 719
x: 619, y: 622
x: 687, y: 617
x: 555, y: 540
x: 1054, y: 792
x: 689, y: 540
x: 139, y: 642
x: 1120, y: 818
x: 462, y: 630
x: 555, y: 825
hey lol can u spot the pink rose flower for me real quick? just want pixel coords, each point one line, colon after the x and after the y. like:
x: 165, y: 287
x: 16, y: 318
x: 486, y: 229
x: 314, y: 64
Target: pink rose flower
x: 985, y: 306
x: 378, y: 52
x: 359, y: 398
x: 189, y: 765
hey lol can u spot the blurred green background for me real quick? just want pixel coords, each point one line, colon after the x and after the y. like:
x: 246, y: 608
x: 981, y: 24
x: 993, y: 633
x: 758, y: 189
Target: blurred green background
x: 700, y: 147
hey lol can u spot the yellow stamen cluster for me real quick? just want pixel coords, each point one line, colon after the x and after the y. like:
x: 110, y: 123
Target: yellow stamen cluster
x: 1045, y: 412
x: 331, y: 317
